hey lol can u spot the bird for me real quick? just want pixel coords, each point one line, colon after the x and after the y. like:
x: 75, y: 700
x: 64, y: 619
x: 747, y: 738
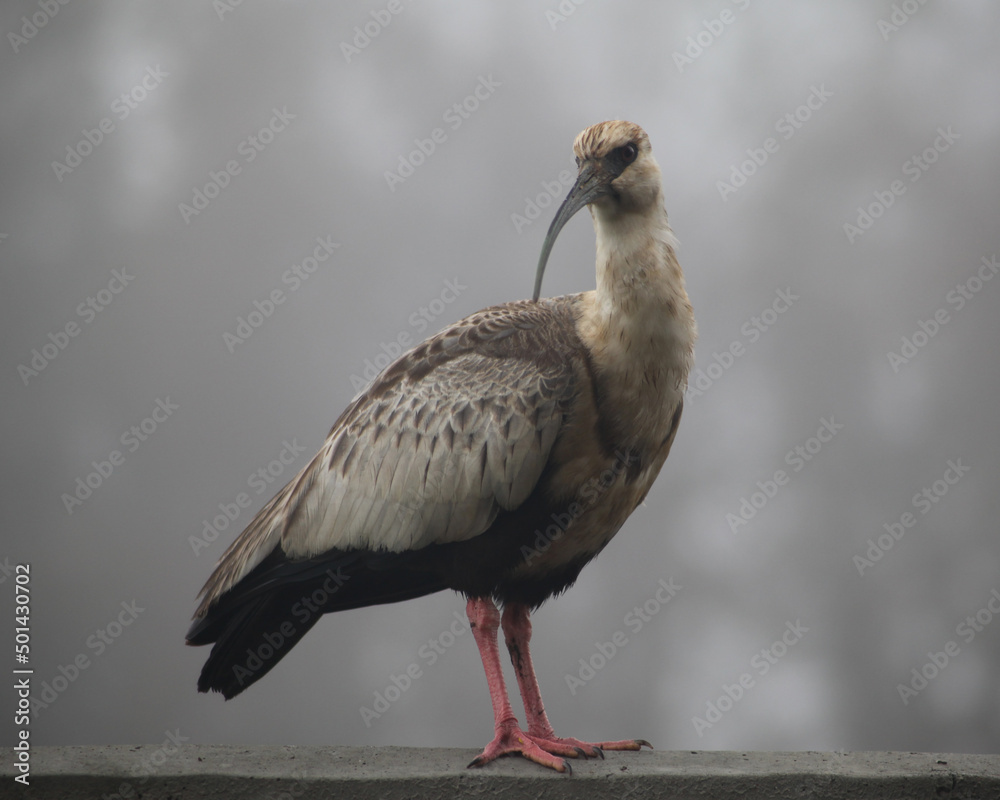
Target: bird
x: 495, y: 459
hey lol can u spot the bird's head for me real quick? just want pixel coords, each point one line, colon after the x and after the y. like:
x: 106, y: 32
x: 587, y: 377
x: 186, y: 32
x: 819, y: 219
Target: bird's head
x: 618, y: 176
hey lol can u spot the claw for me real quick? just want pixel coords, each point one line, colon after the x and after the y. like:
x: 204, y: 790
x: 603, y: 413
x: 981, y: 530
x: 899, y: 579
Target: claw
x: 511, y: 740
x: 574, y: 748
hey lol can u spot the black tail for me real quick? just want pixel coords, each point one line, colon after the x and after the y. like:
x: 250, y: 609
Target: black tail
x: 257, y: 622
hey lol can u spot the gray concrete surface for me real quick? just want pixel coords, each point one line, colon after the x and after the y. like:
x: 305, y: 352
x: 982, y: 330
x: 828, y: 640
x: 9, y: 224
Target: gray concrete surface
x: 200, y: 771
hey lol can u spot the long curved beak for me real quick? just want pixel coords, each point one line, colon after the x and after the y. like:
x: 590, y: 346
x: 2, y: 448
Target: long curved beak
x: 591, y: 183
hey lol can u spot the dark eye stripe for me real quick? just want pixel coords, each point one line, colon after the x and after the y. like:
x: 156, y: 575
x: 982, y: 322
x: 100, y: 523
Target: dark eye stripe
x: 621, y: 157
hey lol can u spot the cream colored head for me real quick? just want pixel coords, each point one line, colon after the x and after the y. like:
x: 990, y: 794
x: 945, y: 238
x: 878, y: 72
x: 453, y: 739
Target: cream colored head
x: 618, y: 176
x: 623, y: 161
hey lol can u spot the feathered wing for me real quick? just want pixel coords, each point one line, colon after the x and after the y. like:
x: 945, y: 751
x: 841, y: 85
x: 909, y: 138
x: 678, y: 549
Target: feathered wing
x: 454, y: 432
x: 430, y: 460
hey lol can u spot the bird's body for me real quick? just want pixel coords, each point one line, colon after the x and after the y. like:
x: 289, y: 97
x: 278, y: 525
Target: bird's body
x: 496, y: 458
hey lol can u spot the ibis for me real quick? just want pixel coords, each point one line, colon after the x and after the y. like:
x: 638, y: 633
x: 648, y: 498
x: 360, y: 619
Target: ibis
x: 495, y: 459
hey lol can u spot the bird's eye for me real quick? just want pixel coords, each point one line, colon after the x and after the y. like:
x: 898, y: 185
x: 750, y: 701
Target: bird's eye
x: 629, y: 153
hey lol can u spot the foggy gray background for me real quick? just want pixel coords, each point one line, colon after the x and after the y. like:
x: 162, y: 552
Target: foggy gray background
x: 826, y: 356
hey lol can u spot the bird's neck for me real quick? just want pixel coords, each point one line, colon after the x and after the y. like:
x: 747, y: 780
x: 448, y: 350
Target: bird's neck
x: 641, y: 309
x: 638, y: 327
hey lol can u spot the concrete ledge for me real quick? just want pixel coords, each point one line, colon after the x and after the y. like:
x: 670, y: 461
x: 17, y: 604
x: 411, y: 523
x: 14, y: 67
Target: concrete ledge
x: 202, y: 771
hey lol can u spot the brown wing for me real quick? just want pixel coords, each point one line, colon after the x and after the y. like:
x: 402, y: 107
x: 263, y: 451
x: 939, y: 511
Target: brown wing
x: 450, y: 434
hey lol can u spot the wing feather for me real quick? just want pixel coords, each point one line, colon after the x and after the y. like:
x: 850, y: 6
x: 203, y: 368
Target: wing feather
x: 449, y: 435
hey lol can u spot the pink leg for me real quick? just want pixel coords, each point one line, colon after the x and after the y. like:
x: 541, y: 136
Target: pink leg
x: 517, y: 634
x: 509, y: 738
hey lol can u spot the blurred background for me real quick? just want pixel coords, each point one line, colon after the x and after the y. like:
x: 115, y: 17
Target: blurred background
x: 833, y: 174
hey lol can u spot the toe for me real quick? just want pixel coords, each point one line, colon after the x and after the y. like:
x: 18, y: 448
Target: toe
x: 574, y: 748
x: 625, y: 744
x: 513, y: 741
x: 568, y: 747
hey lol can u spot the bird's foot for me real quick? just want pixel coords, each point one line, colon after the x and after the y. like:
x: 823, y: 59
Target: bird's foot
x: 548, y: 750
x: 570, y: 747
x: 510, y: 739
